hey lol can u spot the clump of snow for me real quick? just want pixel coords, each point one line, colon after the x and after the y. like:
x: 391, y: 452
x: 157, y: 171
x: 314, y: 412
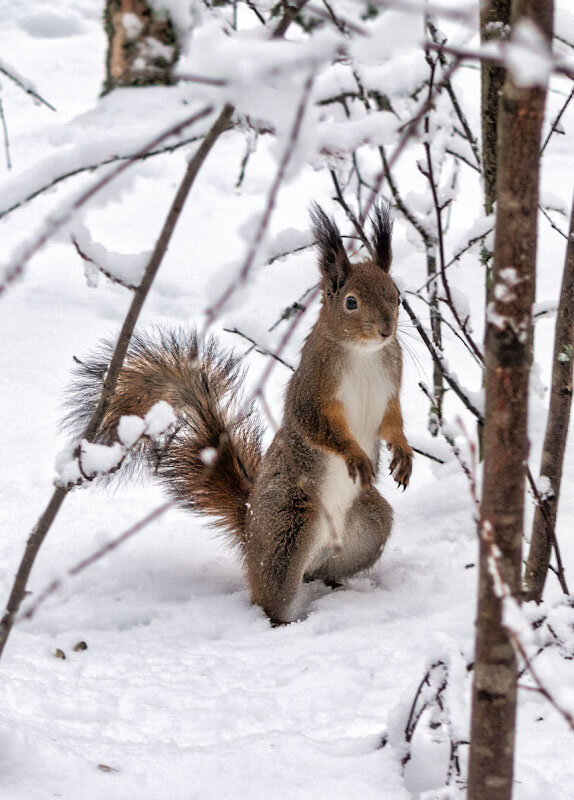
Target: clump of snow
x: 515, y: 621
x: 132, y: 25
x: 208, y: 455
x: 99, y: 459
x: 120, y: 267
x: 544, y: 487
x: 374, y: 129
x: 287, y: 241
x: 503, y: 293
x: 130, y: 429
x: 528, y: 55
x: 159, y: 418
x: 67, y: 467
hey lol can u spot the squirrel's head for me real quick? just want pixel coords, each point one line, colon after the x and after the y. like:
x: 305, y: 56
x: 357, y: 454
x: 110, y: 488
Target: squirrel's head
x: 360, y: 301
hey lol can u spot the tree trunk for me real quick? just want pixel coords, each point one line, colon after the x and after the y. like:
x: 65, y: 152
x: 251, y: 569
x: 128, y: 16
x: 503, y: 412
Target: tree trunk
x: 494, y: 23
x: 508, y: 339
x: 142, y: 46
x: 543, y: 529
x: 438, y: 385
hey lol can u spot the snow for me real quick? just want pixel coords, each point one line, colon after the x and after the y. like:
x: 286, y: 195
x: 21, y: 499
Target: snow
x: 544, y: 487
x: 98, y: 459
x: 528, y: 55
x: 132, y: 25
x: 130, y: 429
x: 184, y: 690
x: 125, y: 269
x: 159, y: 418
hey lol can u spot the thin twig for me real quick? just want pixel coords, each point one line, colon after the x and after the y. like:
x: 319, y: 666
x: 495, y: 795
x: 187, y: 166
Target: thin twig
x: 445, y: 322
x: 467, y: 403
x: 6, y: 139
x: 456, y: 257
x: 258, y: 348
x: 556, y: 120
x: 113, y: 278
x: 340, y: 198
x: 25, y: 88
x: 547, y: 216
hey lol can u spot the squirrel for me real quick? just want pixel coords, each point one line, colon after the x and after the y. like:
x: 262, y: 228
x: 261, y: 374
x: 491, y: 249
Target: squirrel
x: 306, y: 509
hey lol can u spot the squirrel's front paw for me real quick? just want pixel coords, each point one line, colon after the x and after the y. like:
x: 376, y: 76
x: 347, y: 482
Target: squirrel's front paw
x: 360, y: 464
x: 401, y: 466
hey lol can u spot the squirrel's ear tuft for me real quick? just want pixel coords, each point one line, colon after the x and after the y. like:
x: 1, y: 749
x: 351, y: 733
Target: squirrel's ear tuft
x: 382, y: 220
x: 333, y: 260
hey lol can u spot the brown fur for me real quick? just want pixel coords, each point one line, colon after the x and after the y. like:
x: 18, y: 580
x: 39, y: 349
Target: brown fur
x: 284, y: 510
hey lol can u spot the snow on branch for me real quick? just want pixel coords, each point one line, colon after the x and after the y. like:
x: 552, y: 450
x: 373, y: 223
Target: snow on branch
x: 86, y: 461
x: 23, y: 83
x: 25, y: 252
x: 126, y: 270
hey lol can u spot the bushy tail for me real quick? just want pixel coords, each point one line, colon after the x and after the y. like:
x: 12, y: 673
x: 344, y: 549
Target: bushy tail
x: 209, y: 463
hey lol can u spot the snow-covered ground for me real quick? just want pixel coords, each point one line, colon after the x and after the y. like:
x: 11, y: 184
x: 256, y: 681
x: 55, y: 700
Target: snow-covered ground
x: 184, y: 690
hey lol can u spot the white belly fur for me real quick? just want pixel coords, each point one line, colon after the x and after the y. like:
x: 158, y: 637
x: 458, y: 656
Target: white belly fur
x: 364, y: 392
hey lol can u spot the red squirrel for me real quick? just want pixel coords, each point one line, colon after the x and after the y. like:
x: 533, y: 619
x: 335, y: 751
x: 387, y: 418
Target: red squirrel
x: 307, y: 508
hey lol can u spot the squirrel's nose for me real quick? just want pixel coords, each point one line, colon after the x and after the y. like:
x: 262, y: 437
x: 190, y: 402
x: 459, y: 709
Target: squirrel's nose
x: 385, y: 329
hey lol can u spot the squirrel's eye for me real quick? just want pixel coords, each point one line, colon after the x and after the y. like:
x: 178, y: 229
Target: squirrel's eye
x: 351, y: 303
